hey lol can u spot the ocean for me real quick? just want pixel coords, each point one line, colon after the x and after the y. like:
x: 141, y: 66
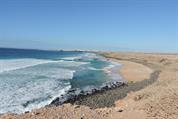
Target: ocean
x: 30, y: 79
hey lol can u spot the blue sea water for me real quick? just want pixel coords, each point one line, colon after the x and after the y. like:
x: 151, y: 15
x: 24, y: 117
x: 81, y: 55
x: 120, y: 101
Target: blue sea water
x: 31, y: 79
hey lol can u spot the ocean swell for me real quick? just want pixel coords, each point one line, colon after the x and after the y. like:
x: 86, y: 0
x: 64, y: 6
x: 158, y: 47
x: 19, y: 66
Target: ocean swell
x: 30, y: 83
x: 14, y: 64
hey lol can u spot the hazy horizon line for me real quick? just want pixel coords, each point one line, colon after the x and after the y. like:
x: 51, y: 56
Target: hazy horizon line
x: 94, y: 50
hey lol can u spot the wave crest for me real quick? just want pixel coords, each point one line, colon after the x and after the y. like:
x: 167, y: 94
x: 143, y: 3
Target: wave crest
x: 14, y: 64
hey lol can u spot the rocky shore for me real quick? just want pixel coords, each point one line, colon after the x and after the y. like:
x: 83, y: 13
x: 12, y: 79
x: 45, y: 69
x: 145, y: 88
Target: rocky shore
x: 148, y: 94
x: 74, y: 95
x: 108, y: 96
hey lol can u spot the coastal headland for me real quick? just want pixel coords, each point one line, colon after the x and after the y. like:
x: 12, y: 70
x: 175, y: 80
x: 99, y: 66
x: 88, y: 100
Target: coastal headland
x: 151, y: 92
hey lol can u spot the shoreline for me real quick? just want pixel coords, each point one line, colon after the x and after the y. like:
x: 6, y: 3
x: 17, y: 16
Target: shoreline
x: 111, y: 95
x: 74, y: 94
x: 138, y: 99
x: 117, y: 82
x: 127, y: 67
x: 116, y: 92
x: 76, y: 97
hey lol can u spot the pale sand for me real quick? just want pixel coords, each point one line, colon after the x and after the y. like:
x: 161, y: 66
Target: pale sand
x: 157, y: 101
x: 132, y: 71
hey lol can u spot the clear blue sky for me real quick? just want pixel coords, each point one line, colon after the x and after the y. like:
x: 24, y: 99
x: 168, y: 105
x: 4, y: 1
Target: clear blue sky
x: 139, y: 25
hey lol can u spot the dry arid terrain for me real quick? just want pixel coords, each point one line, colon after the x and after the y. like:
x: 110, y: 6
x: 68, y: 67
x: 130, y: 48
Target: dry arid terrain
x: 158, y: 100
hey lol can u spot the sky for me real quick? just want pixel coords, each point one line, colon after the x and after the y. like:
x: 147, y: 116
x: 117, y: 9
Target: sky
x: 116, y: 25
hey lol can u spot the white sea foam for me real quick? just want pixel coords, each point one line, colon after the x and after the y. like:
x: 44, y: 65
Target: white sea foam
x: 46, y: 102
x: 112, y: 71
x: 89, y: 56
x: 72, y: 58
x: 32, y: 86
x: 92, y: 68
x: 14, y: 64
x: 14, y: 100
x: 71, y: 63
x: 23, y: 90
x: 85, y: 56
x: 27, y: 84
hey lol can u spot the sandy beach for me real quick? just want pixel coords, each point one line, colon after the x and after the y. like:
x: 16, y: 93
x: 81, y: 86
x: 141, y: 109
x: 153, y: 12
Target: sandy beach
x: 151, y: 92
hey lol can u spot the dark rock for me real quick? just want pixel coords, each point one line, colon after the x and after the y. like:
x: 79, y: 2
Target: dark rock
x: 177, y: 106
x: 55, y: 101
x: 37, y: 113
x: 138, y: 97
x: 77, y: 106
x: 120, y: 110
x: 82, y: 116
x: 26, y: 112
x: 72, y: 90
x: 82, y: 92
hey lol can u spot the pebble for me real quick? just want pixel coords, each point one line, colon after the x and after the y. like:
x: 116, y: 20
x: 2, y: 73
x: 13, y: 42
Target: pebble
x: 27, y: 112
x: 77, y: 106
x: 35, y: 113
x: 120, y: 110
x: 82, y: 116
x: 138, y: 97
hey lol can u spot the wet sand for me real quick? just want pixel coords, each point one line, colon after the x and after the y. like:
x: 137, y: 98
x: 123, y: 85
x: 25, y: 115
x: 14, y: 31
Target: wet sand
x: 151, y: 92
x: 140, y: 73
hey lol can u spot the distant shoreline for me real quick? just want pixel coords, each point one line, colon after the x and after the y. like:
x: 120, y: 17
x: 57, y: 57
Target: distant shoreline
x: 116, y: 92
x: 72, y: 96
x: 94, y: 51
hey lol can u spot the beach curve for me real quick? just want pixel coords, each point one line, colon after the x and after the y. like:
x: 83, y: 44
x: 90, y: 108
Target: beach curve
x: 134, y: 104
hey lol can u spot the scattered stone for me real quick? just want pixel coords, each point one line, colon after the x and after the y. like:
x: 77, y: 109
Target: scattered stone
x: 27, y: 112
x: 131, y: 82
x: 177, y: 106
x: 77, y: 106
x: 138, y: 97
x: 35, y: 113
x: 82, y: 92
x: 120, y: 110
x: 82, y: 116
x: 162, y: 60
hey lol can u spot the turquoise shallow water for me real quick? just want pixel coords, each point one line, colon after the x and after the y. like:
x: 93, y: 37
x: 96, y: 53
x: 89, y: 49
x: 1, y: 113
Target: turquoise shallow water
x: 31, y: 79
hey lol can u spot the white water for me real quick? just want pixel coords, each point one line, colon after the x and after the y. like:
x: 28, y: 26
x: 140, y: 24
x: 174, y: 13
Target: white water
x: 71, y: 63
x: 27, y: 84
x: 86, y: 56
x: 112, y: 71
x: 14, y: 64
x: 40, y: 88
